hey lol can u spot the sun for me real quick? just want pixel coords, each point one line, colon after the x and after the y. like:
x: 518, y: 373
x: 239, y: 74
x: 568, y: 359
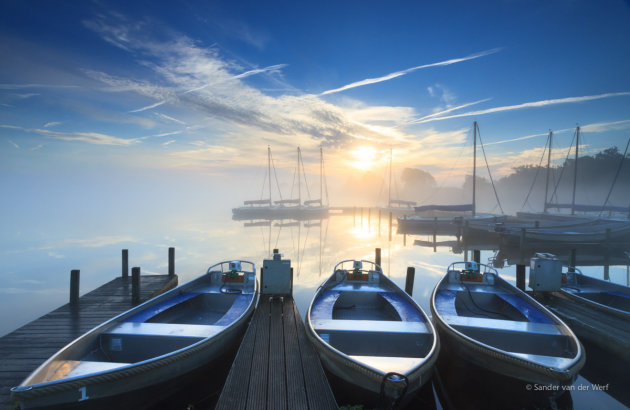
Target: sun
x: 363, y: 157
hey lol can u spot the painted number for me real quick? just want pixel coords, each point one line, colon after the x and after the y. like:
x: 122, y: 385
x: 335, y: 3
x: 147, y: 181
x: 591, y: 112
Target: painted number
x: 83, y: 391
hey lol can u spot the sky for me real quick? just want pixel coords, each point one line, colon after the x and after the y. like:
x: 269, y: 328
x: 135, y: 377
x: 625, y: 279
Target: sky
x: 112, y: 100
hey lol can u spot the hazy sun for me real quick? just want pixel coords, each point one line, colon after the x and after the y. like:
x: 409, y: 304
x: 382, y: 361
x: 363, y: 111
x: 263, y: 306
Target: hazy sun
x: 364, y: 157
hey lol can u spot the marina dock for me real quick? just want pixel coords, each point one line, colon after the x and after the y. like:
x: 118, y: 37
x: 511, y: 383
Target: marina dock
x: 24, y: 349
x: 276, y: 367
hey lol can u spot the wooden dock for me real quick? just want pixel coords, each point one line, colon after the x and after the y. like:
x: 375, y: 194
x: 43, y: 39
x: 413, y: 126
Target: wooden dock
x: 24, y: 349
x: 276, y: 366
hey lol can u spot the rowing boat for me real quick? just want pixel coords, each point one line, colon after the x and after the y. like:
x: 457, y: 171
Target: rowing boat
x: 601, y: 295
x: 139, y: 356
x: 370, y: 334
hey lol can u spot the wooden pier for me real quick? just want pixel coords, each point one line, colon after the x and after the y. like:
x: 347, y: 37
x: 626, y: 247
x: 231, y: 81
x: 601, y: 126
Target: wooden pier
x: 24, y: 349
x: 276, y: 366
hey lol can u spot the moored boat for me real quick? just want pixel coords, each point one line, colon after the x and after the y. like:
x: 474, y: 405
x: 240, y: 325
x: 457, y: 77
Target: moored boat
x: 136, y: 358
x: 604, y: 296
x: 370, y: 334
x: 488, y: 323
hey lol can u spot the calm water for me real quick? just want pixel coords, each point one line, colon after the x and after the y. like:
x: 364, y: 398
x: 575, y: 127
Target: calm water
x: 36, y: 265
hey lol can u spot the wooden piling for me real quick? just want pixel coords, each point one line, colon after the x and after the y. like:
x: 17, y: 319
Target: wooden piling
x: 520, y: 277
x: 607, y: 256
x: 477, y: 255
x: 572, y: 260
x: 125, y: 263
x: 135, y: 285
x: 171, y: 262
x: 74, y: 287
x: 377, y: 256
x: 411, y: 274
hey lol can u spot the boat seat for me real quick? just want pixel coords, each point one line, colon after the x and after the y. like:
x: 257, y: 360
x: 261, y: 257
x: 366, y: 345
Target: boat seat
x: 500, y: 325
x: 62, y: 369
x: 154, y: 310
x: 528, y: 309
x: 406, y: 310
x: 323, y: 307
x: 618, y: 294
x: 165, y: 329
x: 389, y: 326
x: 445, y: 303
x: 240, y: 305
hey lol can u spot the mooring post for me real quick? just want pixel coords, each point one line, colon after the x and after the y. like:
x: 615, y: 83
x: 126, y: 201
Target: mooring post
x: 377, y: 256
x: 520, y: 277
x: 125, y: 263
x: 477, y: 255
x: 411, y: 274
x: 572, y: 260
x: 74, y: 287
x: 607, y: 256
x: 171, y: 262
x: 522, y: 244
x: 135, y: 285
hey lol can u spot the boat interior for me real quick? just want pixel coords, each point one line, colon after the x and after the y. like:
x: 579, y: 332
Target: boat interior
x: 372, y: 323
x: 492, y: 313
x: 176, y: 320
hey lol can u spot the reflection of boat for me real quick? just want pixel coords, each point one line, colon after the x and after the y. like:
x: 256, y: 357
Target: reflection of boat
x: 601, y: 295
x: 149, y: 348
x: 371, y: 334
x: 486, y: 322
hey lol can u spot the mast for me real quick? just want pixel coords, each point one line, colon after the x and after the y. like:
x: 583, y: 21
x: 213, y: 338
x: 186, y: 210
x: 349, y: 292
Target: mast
x: 298, y: 178
x: 389, y: 188
x: 474, y: 168
x: 548, y: 170
x: 577, y: 144
x: 321, y: 177
x: 269, y: 170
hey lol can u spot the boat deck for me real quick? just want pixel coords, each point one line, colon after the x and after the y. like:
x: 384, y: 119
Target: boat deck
x: 276, y: 367
x: 24, y: 349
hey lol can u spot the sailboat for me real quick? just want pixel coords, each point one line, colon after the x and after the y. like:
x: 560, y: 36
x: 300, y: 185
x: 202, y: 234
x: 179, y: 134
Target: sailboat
x: 449, y: 219
x: 312, y: 208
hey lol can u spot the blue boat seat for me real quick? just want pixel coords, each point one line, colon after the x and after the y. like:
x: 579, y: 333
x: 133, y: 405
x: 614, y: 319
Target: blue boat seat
x: 355, y: 326
x: 406, y: 310
x: 154, y: 310
x: 445, y: 303
x: 529, y: 310
x: 323, y: 306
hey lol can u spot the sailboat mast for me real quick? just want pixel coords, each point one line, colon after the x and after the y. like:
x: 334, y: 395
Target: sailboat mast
x: 474, y: 202
x: 298, y: 178
x: 389, y: 188
x: 269, y: 170
x: 548, y: 170
x: 577, y: 144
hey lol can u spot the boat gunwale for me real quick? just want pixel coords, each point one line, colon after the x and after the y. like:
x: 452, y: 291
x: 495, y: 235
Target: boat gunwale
x: 567, y: 372
x: 38, y: 389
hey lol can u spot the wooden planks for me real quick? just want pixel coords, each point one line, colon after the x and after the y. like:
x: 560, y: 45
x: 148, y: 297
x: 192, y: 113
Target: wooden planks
x: 24, y: 349
x: 276, y: 366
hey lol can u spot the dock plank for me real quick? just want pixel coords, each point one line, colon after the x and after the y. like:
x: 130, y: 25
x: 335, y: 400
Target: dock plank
x: 276, y: 366
x: 24, y: 349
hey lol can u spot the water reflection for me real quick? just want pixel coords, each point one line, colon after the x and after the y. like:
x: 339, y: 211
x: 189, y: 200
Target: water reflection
x: 35, y: 277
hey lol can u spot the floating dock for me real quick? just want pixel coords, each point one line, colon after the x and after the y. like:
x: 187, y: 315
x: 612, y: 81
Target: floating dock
x: 276, y: 367
x: 24, y: 349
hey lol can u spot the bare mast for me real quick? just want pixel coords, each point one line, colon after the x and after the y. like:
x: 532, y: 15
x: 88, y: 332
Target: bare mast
x: 389, y: 188
x: 269, y: 170
x: 548, y: 170
x: 577, y: 144
x: 474, y: 202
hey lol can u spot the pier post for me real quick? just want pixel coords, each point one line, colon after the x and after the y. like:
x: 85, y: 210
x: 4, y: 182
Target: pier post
x: 74, y: 287
x: 520, y: 277
x: 135, y: 285
x: 476, y: 255
x: 411, y: 274
x: 171, y: 262
x: 125, y: 263
x: 522, y: 244
x: 390, y: 226
x: 572, y: 260
x: 607, y: 256
x: 405, y: 233
x: 377, y: 256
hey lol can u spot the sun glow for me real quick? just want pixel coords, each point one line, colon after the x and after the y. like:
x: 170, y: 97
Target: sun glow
x: 364, y: 157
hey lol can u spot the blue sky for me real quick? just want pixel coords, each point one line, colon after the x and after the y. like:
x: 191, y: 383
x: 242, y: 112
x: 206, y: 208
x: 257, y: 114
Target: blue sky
x: 111, y: 92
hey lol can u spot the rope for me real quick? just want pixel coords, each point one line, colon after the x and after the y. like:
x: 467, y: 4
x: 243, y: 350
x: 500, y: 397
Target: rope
x: 562, y: 169
x: 496, y: 195
x: 308, y: 192
x: 616, y: 175
x: 535, y: 176
x: 262, y: 190
x: 276, y: 175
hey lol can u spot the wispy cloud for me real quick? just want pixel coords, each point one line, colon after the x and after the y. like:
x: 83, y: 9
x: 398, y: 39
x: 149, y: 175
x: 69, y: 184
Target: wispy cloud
x: 409, y: 70
x: 52, y: 124
x: 89, y: 137
x: 165, y: 134
x: 23, y: 86
x: 148, y: 107
x: 436, y: 114
x: 542, y: 103
x: 169, y: 142
x: 272, y: 68
x: 14, y: 144
x: 168, y: 117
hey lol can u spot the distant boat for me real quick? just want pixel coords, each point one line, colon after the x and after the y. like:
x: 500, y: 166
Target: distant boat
x: 486, y: 322
x: 601, y: 295
x: 587, y: 231
x: 372, y: 335
x: 139, y: 356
